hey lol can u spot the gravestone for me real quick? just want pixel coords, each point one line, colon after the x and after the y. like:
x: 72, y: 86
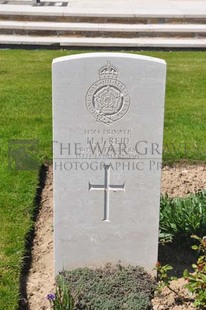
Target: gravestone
x: 108, y: 111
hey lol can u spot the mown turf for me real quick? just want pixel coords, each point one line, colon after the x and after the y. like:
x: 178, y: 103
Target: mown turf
x: 185, y: 110
x: 25, y: 113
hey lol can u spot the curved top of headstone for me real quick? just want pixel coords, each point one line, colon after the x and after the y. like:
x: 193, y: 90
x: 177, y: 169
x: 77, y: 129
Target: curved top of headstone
x: 108, y: 54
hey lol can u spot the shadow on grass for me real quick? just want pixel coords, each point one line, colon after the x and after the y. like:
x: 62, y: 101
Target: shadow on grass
x: 26, y: 265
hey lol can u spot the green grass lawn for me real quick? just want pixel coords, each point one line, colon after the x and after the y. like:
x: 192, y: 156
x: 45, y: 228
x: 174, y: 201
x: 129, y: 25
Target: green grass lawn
x: 25, y: 113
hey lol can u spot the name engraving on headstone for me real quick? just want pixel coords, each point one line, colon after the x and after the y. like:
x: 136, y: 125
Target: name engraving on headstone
x: 107, y: 187
x: 108, y: 99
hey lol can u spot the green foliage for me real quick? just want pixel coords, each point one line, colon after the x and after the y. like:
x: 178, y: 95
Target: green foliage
x: 111, y: 287
x: 163, y: 277
x: 197, y: 280
x: 62, y: 299
x: 182, y: 217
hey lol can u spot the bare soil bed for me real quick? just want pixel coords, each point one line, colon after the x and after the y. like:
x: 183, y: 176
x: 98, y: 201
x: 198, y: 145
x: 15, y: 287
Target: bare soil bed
x: 177, y: 181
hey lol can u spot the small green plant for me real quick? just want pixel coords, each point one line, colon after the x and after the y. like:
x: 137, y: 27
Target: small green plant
x: 182, y: 217
x: 62, y: 299
x: 111, y: 287
x: 164, y: 278
x: 197, y: 280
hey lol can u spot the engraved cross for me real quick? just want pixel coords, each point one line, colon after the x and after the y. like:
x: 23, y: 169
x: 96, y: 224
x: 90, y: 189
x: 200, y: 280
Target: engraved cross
x: 106, y: 187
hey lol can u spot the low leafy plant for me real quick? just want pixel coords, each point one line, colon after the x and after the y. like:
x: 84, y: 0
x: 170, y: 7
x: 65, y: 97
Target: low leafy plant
x: 62, y: 299
x: 182, y: 217
x: 197, y: 280
x: 164, y: 280
x: 111, y: 287
x: 163, y: 276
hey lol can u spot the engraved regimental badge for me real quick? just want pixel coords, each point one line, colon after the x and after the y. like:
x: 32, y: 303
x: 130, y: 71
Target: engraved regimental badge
x: 108, y: 99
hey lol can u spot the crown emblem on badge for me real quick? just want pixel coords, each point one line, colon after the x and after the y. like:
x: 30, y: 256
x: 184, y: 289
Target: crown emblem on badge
x: 108, y: 99
x: 108, y: 72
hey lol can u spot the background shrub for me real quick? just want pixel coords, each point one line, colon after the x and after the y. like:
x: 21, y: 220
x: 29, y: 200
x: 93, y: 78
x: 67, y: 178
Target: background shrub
x: 182, y: 217
x: 111, y: 288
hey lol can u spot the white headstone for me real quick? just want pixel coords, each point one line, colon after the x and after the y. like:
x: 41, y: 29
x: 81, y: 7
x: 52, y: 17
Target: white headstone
x: 108, y: 111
